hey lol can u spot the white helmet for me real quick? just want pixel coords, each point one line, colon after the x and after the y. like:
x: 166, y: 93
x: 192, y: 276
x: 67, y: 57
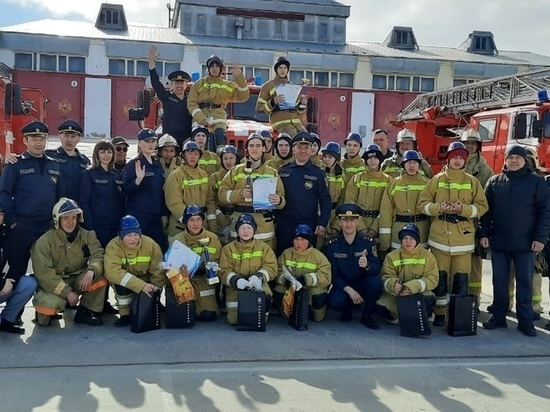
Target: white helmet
x: 167, y: 140
x: 66, y: 206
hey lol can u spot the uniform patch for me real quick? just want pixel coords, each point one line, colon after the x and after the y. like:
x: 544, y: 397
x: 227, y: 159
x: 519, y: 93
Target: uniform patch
x: 308, y: 184
x: 341, y: 255
x: 149, y: 174
x: 310, y: 177
x: 26, y: 171
x: 101, y: 181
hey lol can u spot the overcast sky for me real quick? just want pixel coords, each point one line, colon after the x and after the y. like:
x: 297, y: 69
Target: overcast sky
x: 517, y: 25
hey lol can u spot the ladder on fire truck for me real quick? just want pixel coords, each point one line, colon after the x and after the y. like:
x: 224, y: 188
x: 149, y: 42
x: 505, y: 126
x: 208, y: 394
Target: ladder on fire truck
x: 498, y: 92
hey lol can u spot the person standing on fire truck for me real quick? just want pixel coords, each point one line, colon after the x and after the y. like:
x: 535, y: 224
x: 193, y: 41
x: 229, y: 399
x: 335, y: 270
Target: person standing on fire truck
x: 210, y: 95
x: 176, y: 119
x: 283, y: 120
x: 406, y: 140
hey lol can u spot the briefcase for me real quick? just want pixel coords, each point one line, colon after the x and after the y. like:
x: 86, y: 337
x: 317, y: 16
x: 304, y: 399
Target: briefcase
x: 298, y: 319
x: 145, y: 312
x: 178, y: 316
x: 462, y: 317
x: 413, y: 316
x: 251, y: 311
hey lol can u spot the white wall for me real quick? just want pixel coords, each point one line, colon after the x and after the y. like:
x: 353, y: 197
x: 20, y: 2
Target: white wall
x: 97, y: 62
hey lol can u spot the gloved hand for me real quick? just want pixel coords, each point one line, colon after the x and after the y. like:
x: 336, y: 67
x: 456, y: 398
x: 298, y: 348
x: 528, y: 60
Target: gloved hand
x: 212, y: 265
x: 255, y: 282
x: 242, y: 284
x: 297, y: 285
x: 286, y: 274
x: 225, y: 232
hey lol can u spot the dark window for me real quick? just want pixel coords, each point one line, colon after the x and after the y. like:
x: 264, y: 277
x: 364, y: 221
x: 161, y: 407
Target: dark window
x: 48, y: 62
x: 77, y: 64
x: 117, y: 66
x: 323, y: 32
x: 346, y: 80
x: 296, y: 76
x: 416, y: 84
x: 459, y: 82
x: 402, y: 83
x: 263, y: 73
x: 201, y: 23
x: 427, y: 84
x: 402, y: 37
x: 23, y: 61
x: 333, y: 79
x: 62, y: 63
x: 321, y: 78
x: 278, y: 28
x: 379, y: 82
x: 170, y: 67
x: 142, y: 68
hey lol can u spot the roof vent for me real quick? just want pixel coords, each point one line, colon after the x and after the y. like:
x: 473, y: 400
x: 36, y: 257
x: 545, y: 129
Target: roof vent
x: 401, y: 38
x: 480, y: 42
x: 111, y: 16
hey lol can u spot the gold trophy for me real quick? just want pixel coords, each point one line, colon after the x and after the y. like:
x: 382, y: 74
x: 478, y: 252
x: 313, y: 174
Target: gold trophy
x: 248, y: 181
x: 211, y: 277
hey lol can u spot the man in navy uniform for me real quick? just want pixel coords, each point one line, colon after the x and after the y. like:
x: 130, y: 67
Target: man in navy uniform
x: 306, y: 191
x: 355, y: 268
x: 28, y: 191
x: 72, y: 162
x: 176, y: 120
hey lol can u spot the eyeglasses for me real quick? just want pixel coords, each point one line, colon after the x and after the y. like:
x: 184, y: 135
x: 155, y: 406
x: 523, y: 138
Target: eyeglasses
x: 120, y: 148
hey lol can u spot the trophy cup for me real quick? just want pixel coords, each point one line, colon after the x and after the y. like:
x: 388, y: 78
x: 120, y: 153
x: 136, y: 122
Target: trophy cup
x: 248, y: 181
x: 211, y: 277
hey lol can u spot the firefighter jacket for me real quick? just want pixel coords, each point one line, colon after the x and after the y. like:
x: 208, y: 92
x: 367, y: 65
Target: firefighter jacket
x: 344, y: 260
x: 317, y: 161
x: 72, y: 168
x: 453, y: 233
x: 101, y: 197
x: 392, y: 166
x: 176, y: 120
x: 214, y: 246
x: 366, y: 189
x: 169, y: 168
x: 398, y: 207
x: 242, y: 260
x: 133, y: 268
x: 209, y: 161
x: 477, y: 166
x: 276, y: 162
x: 268, y: 156
x: 147, y: 198
x: 417, y: 270
x: 310, y: 265
x: 336, y: 181
x: 222, y: 213
x: 352, y: 166
x: 56, y: 257
x: 210, y: 95
x: 186, y: 186
x: 30, y: 188
x: 277, y: 117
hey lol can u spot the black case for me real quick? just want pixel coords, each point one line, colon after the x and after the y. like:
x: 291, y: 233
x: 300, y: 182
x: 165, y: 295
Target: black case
x: 462, y: 317
x: 251, y: 311
x: 413, y: 316
x: 300, y: 310
x: 178, y: 316
x: 145, y: 312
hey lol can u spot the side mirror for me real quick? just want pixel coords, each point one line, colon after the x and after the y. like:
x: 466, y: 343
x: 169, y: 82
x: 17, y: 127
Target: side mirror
x: 13, y: 99
x: 537, y: 129
x: 546, y: 124
x: 521, y: 126
x: 144, y: 101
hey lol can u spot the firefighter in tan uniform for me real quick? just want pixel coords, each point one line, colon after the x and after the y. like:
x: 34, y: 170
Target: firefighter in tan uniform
x: 167, y: 150
x: 189, y: 185
x: 246, y: 263
x: 406, y: 140
x: 408, y: 270
x: 399, y: 202
x: 68, y: 265
x: 283, y: 152
x: 132, y: 264
x: 210, y: 95
x: 336, y: 181
x: 268, y: 139
x: 454, y: 199
x: 209, y: 161
x: 304, y: 266
x: 197, y: 238
x: 352, y: 163
x: 366, y: 189
x: 315, y: 147
x: 229, y: 158
x: 236, y: 191
x: 283, y: 120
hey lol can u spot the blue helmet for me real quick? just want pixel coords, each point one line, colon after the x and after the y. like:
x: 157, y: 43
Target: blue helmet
x: 128, y: 224
x: 230, y: 149
x: 373, y: 150
x: 356, y: 137
x: 266, y: 134
x: 191, y: 145
x: 192, y: 210
x: 457, y: 149
x: 316, y: 138
x: 304, y: 231
x: 246, y: 219
x: 333, y: 149
x: 409, y: 229
x: 411, y: 155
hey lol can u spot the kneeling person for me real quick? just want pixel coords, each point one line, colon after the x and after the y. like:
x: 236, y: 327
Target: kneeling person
x: 304, y: 266
x: 406, y: 271
x: 132, y: 264
x: 68, y: 265
x: 197, y: 238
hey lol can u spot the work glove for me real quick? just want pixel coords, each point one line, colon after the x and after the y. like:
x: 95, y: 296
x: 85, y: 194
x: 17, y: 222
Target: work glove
x: 255, y: 283
x: 212, y: 265
x: 286, y: 274
x: 297, y: 284
x: 242, y: 284
x: 225, y: 232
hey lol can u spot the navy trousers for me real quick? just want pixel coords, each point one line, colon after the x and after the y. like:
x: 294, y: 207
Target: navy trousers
x: 369, y: 288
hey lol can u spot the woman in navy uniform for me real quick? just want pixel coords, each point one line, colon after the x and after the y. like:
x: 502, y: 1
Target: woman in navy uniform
x: 143, y: 182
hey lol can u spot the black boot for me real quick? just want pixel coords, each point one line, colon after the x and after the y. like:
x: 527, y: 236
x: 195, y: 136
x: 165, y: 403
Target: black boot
x: 10, y: 327
x: 109, y: 309
x: 439, y: 320
x: 122, y: 321
x: 346, y: 317
x: 369, y: 322
x: 86, y: 316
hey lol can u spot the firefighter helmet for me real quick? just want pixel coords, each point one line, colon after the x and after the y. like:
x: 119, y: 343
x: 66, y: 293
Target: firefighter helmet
x: 253, y: 136
x: 214, y: 59
x: 66, y: 206
x: 404, y: 135
x: 304, y: 231
x: 190, y: 211
x: 411, y: 155
x: 230, y: 149
x: 373, y: 150
x: 246, y: 219
x: 470, y: 135
x: 316, y: 139
x: 166, y: 140
x: 128, y: 224
x: 266, y: 134
x: 457, y: 149
x: 409, y: 229
x: 356, y: 137
x: 333, y: 149
x: 281, y: 60
x: 191, y: 145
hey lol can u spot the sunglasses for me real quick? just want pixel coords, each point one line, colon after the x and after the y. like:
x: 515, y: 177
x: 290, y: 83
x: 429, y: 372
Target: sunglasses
x: 121, y: 149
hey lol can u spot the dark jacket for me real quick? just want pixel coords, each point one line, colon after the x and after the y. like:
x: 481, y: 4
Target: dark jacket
x: 72, y: 168
x: 519, y: 211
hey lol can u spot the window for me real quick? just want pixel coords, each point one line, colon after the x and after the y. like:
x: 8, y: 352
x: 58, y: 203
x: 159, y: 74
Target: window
x: 130, y: 67
x: 403, y: 83
x: 487, y: 129
x: 142, y: 68
x: 379, y: 82
x: 201, y: 23
x: 321, y: 78
x: 77, y: 64
x: 263, y: 73
x: 48, y: 62
x: 117, y: 66
x: 401, y: 37
x: 334, y: 79
x: 346, y: 80
x: 323, y: 32
x: 247, y: 25
x: 170, y: 67
x: 278, y: 28
x: 62, y: 63
x: 24, y: 61
x: 526, y: 133
x: 462, y: 82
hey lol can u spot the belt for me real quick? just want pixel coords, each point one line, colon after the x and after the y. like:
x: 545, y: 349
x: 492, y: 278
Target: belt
x: 410, y: 219
x: 277, y: 109
x: 250, y: 209
x: 452, y: 218
x: 208, y: 105
x: 370, y: 213
x: 227, y: 210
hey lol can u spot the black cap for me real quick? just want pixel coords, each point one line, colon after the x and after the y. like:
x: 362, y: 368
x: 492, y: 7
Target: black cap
x: 516, y: 150
x: 119, y: 140
x: 146, y: 134
x: 35, y: 129
x: 70, y: 126
x: 349, y: 210
x: 302, y: 137
x: 179, y: 76
x: 199, y: 129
